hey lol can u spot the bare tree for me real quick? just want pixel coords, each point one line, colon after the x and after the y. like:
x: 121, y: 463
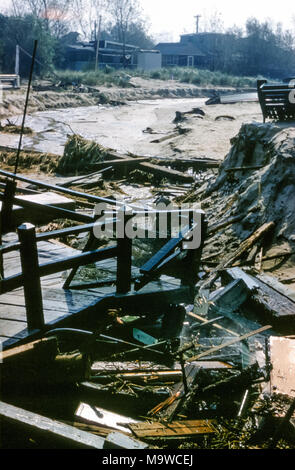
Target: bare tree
x: 56, y: 13
x: 89, y: 16
x: 213, y: 23
x: 124, y: 13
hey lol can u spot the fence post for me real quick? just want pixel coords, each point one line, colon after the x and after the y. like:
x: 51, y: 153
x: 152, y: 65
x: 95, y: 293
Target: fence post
x: 6, y: 215
x: 193, y: 257
x: 30, y: 271
x: 7, y: 205
x: 124, y: 257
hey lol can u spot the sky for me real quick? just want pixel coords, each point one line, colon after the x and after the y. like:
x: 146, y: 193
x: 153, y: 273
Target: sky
x: 170, y: 18
x: 176, y: 17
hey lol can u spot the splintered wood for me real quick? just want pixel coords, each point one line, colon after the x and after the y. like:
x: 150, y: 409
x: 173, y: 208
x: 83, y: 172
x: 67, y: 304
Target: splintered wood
x: 168, y: 408
x: 176, y: 429
x: 243, y: 248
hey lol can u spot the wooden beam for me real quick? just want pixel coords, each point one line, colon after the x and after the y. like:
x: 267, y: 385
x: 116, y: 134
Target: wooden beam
x: 31, y: 277
x: 53, y: 211
x: 46, y: 430
x: 166, y: 172
x: 41, y: 184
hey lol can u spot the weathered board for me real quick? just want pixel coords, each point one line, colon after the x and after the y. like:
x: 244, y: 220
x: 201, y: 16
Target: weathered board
x: 176, y: 429
x: 52, y: 434
x: 272, y: 305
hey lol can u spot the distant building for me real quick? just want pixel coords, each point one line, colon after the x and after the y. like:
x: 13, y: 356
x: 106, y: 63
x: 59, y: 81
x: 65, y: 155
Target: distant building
x: 202, y: 50
x: 181, y: 54
x: 81, y: 56
x: 228, y: 53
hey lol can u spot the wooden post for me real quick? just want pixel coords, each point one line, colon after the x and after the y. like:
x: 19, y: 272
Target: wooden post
x: 193, y: 258
x: 124, y: 258
x: 16, y: 71
x: 30, y: 271
x: 7, y: 205
x: 97, y: 43
x: 6, y: 215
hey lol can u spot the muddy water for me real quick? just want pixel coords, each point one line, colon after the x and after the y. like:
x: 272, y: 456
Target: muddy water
x: 120, y: 127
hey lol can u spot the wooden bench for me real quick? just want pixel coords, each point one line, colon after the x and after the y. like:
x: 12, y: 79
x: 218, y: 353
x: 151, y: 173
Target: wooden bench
x: 277, y: 101
x: 12, y: 78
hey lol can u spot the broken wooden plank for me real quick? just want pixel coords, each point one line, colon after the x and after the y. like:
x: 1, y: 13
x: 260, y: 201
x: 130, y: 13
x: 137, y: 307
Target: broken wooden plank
x: 229, y: 298
x: 163, y: 172
x: 269, y: 303
x: 216, y: 325
x: 273, y: 282
x: 52, y: 434
x: 195, y: 163
x: 45, y: 430
x: 175, y: 429
x: 168, y: 408
x: 229, y: 343
x: 231, y: 258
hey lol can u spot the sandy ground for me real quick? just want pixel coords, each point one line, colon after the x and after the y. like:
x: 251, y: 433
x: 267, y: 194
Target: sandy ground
x: 124, y: 127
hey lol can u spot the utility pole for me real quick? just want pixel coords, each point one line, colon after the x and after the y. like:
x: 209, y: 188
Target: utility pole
x: 16, y: 71
x: 97, y: 43
x: 197, y: 23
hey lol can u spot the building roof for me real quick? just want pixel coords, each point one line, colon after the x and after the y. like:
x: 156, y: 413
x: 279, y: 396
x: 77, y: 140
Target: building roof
x: 176, y: 48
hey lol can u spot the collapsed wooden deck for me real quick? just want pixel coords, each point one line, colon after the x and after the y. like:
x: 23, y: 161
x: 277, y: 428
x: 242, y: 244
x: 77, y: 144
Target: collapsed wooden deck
x: 60, y: 305
x: 36, y: 289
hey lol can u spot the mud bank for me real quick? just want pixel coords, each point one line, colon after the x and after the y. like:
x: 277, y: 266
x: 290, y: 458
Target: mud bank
x: 14, y: 100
